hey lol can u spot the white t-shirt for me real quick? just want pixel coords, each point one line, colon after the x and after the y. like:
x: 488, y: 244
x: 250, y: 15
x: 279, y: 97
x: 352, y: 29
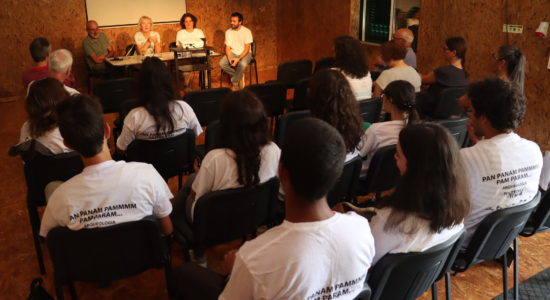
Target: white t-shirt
x: 328, y: 259
x: 190, y: 39
x: 139, y: 124
x: 397, y: 240
x: 378, y: 135
x: 140, y: 39
x: 236, y: 39
x: 51, y: 139
x: 503, y: 171
x: 403, y: 73
x: 361, y: 87
x: 106, y: 194
x: 219, y: 170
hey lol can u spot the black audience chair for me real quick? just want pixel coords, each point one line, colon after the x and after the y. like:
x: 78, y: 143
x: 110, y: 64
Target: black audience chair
x: 324, y: 63
x: 492, y: 239
x: 290, y: 72
x: 299, y: 102
x: 107, y: 254
x: 285, y: 122
x: 447, y: 103
x: 370, y: 109
x: 223, y: 216
x: 445, y: 271
x: 538, y: 221
x: 40, y: 171
x: 116, y: 94
x: 211, y: 140
x: 457, y: 128
x: 252, y: 62
x: 170, y: 157
x: 407, y: 276
x: 346, y: 187
x: 382, y: 174
x: 206, y: 103
x: 273, y: 97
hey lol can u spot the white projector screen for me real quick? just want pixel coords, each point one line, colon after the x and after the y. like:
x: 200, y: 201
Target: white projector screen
x: 109, y: 13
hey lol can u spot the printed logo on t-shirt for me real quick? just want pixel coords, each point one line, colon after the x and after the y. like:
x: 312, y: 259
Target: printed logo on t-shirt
x: 338, y: 290
x: 100, y: 214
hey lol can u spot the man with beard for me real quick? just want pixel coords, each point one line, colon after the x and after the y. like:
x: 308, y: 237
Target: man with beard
x: 97, y: 48
x: 238, y: 40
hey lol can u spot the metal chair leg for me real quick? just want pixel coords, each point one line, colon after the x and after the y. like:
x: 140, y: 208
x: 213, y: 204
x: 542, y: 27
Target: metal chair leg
x: 434, y: 290
x: 505, y: 276
x: 516, y: 271
x: 448, y: 286
x: 256, y: 70
x: 35, y: 225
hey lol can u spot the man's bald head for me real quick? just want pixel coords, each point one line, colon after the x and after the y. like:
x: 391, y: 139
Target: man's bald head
x: 404, y: 36
x: 91, y: 23
x: 93, y: 29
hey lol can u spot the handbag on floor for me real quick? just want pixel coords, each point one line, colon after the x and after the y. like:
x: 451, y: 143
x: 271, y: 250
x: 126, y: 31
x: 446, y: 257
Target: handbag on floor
x: 38, y: 292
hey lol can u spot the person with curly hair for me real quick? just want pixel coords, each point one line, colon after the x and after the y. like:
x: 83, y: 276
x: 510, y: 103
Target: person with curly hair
x: 350, y: 60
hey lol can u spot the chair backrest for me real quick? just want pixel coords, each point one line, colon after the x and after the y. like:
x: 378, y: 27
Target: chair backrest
x: 324, y: 63
x: 273, y: 96
x: 538, y: 222
x: 170, y: 157
x: 457, y: 128
x: 497, y: 231
x: 382, y: 174
x: 346, y: 187
x: 408, y: 275
x: 116, y: 94
x: 447, y: 104
x: 42, y: 170
x: 285, y: 122
x: 370, y: 109
x: 252, y: 49
x: 131, y: 47
x: 206, y: 103
x: 290, y: 72
x: 226, y: 215
x: 108, y: 253
x: 212, y: 136
x: 300, y: 95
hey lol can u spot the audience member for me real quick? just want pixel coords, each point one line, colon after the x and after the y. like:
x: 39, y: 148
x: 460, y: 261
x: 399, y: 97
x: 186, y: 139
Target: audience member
x: 451, y: 75
x: 399, y: 101
x: 147, y: 41
x: 393, y: 54
x: 60, y: 63
x: 189, y: 35
x: 40, y: 49
x: 503, y: 169
x: 413, y: 22
x: 510, y: 65
x: 428, y: 205
x: 106, y: 192
x: 159, y: 115
x: 350, y: 60
x: 238, y: 40
x: 405, y: 37
x: 97, y: 48
x: 41, y: 124
x: 331, y: 100
x: 247, y: 156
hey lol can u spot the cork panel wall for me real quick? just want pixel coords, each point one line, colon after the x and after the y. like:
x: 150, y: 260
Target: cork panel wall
x: 63, y: 23
x: 480, y: 23
x: 306, y: 28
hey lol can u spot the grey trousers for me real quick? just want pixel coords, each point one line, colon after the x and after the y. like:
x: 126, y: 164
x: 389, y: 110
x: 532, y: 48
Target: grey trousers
x: 235, y: 73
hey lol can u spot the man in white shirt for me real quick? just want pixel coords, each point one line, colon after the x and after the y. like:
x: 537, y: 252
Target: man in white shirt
x: 405, y: 37
x: 106, y: 192
x: 503, y: 168
x: 60, y: 63
x: 315, y: 253
x: 238, y: 40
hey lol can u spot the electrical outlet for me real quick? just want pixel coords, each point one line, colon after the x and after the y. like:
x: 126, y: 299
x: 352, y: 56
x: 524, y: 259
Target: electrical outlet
x: 512, y: 28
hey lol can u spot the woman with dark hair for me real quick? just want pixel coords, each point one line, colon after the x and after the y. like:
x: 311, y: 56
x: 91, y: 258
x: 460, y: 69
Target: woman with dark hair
x: 398, y: 100
x: 510, y: 65
x: 189, y: 35
x: 158, y: 115
x: 41, y: 125
x: 430, y: 201
x: 331, y: 100
x: 393, y: 54
x: 247, y: 156
x: 351, y: 61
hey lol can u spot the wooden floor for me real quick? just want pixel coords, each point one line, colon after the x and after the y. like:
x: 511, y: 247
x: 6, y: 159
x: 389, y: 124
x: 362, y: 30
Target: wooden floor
x: 18, y: 261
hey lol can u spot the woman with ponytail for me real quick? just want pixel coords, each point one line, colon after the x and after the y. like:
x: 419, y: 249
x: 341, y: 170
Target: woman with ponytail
x: 510, y: 65
x: 399, y: 100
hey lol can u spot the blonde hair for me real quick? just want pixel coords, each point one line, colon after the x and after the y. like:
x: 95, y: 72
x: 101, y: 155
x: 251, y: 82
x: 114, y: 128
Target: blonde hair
x: 145, y: 18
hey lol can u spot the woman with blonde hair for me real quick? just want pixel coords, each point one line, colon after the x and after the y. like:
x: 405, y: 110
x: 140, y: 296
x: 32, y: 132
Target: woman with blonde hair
x: 147, y: 41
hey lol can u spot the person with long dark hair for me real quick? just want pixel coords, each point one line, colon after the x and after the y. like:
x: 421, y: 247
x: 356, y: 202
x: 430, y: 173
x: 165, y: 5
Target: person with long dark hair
x: 158, y: 114
x: 351, y: 61
x: 510, y: 65
x: 398, y: 100
x: 247, y: 156
x: 43, y: 97
x: 331, y: 100
x: 430, y: 201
